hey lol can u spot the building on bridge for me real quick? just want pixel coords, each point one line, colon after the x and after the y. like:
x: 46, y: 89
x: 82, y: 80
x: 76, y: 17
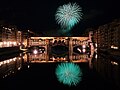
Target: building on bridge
x: 69, y: 42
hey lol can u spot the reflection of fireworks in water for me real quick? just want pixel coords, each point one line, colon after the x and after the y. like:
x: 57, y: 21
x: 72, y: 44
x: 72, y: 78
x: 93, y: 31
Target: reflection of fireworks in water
x: 69, y: 73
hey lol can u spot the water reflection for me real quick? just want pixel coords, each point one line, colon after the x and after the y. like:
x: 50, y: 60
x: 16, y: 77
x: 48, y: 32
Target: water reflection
x: 10, y: 66
x: 69, y: 74
x: 50, y: 57
x: 108, y: 67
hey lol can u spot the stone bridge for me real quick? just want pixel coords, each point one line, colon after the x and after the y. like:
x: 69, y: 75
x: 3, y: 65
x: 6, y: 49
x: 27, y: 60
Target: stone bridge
x: 69, y: 42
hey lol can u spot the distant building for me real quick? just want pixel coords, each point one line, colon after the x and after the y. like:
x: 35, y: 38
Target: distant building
x: 107, y: 36
x: 9, y: 35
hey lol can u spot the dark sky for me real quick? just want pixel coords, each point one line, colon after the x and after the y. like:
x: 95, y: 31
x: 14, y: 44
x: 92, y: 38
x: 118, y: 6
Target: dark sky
x: 39, y: 15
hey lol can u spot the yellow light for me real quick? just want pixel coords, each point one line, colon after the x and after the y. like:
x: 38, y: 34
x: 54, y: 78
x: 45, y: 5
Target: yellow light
x: 114, y: 63
x: 19, y: 68
x: 28, y: 66
x: 83, y: 50
x: 5, y: 62
x: 8, y: 61
x: 96, y: 56
x: 5, y: 42
x: 84, y: 46
x: 53, y: 58
x: 35, y: 51
x: 14, y: 43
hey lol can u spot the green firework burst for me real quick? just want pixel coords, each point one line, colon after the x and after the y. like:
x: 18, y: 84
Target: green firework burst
x: 69, y: 73
x: 68, y: 15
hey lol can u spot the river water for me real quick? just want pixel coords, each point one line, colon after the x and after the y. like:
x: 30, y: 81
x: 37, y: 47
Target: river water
x: 29, y: 71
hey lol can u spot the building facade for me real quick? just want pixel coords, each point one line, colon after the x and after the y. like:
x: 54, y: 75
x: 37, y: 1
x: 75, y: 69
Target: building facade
x: 107, y: 36
x: 9, y: 35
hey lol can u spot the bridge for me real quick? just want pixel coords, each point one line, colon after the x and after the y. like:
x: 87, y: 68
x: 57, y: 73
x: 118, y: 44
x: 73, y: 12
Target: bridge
x: 41, y: 41
x: 70, y: 42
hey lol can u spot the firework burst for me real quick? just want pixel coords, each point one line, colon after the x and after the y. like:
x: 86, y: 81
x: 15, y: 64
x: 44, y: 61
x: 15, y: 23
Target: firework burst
x: 69, y: 73
x: 68, y: 15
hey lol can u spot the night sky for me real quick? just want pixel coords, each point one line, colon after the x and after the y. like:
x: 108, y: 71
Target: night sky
x: 39, y: 16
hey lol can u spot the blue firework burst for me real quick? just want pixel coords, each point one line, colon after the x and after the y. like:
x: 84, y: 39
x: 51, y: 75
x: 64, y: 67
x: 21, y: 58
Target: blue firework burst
x: 68, y: 15
x: 69, y: 73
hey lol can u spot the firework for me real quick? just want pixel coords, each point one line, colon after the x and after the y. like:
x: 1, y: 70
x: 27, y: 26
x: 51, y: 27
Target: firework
x: 69, y: 73
x: 68, y: 15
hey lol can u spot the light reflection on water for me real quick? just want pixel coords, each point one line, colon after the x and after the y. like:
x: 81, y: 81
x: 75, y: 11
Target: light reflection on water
x: 11, y: 65
x: 108, y: 67
x: 32, y: 58
x: 105, y: 65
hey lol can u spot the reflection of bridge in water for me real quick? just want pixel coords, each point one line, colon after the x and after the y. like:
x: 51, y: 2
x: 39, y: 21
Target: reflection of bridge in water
x: 70, y: 42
